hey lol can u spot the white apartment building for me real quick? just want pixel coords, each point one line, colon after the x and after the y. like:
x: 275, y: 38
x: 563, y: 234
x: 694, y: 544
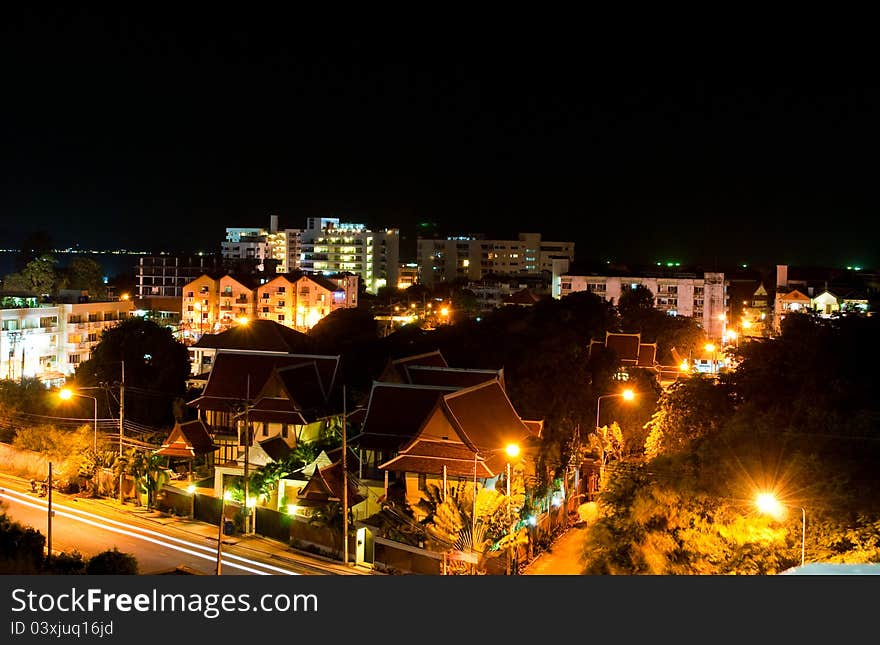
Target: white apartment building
x: 331, y: 246
x: 679, y: 294
x: 260, y: 244
x: 49, y: 342
x: 471, y: 257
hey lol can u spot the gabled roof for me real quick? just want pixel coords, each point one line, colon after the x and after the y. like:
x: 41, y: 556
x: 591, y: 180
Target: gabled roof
x: 187, y: 440
x: 276, y: 447
x: 274, y: 410
x: 647, y: 355
x: 258, y: 335
x: 793, y: 295
x: 483, y: 421
x: 485, y: 416
x: 323, y: 282
x: 395, y: 370
x: 451, y: 376
x: 326, y: 485
x: 626, y: 346
x: 228, y: 382
x: 521, y: 297
x: 395, y: 412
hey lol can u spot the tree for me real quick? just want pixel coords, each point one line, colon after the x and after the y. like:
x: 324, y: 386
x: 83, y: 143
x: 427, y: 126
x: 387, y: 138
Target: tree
x: 635, y: 306
x: 21, y: 547
x: 688, y: 410
x: 607, y: 444
x: 112, y: 562
x: 86, y: 274
x: 149, y: 472
x: 37, y: 278
x: 156, y: 368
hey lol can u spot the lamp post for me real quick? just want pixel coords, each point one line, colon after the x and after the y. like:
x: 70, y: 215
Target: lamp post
x: 226, y: 495
x: 768, y: 504
x: 710, y: 349
x: 512, y: 451
x: 628, y: 395
x: 66, y: 394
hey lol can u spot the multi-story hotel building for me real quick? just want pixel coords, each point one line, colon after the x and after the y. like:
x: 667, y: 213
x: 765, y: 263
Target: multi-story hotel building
x: 472, y: 258
x: 703, y: 297
x: 49, y: 341
x: 331, y: 246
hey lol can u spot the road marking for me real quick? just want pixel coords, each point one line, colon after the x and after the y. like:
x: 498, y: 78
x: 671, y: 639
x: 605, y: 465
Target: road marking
x: 129, y: 530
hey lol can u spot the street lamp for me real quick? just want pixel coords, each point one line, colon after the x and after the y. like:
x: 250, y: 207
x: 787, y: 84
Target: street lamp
x: 710, y: 348
x: 769, y: 505
x: 512, y: 450
x: 627, y: 395
x: 66, y: 395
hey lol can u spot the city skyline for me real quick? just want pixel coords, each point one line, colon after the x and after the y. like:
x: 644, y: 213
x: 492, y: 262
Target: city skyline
x: 129, y: 133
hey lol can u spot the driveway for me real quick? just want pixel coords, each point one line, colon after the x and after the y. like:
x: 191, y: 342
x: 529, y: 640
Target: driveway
x: 563, y: 558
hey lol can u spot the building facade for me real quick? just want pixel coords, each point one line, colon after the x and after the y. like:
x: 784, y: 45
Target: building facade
x: 300, y: 301
x: 49, y: 342
x: 164, y: 276
x: 259, y: 244
x: 213, y: 304
x: 331, y: 246
x: 471, y: 257
x: 678, y: 294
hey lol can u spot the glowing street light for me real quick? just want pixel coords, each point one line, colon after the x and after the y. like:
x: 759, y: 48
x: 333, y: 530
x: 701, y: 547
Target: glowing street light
x: 627, y: 395
x: 66, y: 394
x: 512, y: 450
x: 769, y: 505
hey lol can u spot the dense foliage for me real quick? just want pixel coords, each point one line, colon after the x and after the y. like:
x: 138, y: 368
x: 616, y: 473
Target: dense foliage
x: 798, y: 418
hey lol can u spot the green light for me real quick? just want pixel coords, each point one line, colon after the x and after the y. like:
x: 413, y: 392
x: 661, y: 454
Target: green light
x: 669, y: 264
x: 744, y: 266
x: 849, y: 268
x: 857, y: 268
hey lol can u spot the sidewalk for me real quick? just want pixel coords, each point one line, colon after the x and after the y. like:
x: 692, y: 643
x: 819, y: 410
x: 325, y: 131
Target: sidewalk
x: 259, y: 545
x: 563, y: 558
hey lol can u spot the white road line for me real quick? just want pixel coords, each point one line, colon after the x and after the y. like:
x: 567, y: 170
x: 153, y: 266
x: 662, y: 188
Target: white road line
x: 130, y: 531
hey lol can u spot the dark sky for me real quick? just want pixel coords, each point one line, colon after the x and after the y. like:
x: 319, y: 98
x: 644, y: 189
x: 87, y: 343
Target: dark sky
x: 140, y: 132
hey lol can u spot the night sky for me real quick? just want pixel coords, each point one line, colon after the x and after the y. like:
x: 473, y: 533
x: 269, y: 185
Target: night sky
x: 157, y: 134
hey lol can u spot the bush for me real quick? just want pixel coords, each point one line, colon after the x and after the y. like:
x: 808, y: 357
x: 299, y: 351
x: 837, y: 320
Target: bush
x: 66, y: 564
x: 112, y: 562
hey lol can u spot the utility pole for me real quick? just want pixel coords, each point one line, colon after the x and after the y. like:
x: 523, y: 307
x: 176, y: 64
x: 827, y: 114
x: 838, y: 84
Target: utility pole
x: 49, y: 517
x: 220, y: 528
x: 247, y: 443
x: 121, y: 427
x: 344, y: 484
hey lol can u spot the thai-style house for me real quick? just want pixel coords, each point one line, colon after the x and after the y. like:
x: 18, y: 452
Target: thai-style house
x: 463, y: 440
x: 289, y: 396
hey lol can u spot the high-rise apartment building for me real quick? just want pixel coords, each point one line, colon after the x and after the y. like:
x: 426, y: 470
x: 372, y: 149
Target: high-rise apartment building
x: 472, y: 257
x: 260, y: 244
x: 331, y: 246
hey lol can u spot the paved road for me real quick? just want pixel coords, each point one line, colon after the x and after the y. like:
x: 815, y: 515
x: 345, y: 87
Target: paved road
x: 158, y: 542
x: 564, y: 557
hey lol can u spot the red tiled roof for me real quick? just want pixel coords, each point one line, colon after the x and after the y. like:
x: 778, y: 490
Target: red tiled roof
x: 521, y: 297
x: 276, y: 447
x: 626, y: 346
x: 258, y: 335
x: 647, y: 354
x: 450, y: 376
x: 326, y: 485
x: 486, y: 416
x: 228, y: 381
x: 396, y: 412
x: 187, y: 440
x: 395, y: 371
x: 274, y: 410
